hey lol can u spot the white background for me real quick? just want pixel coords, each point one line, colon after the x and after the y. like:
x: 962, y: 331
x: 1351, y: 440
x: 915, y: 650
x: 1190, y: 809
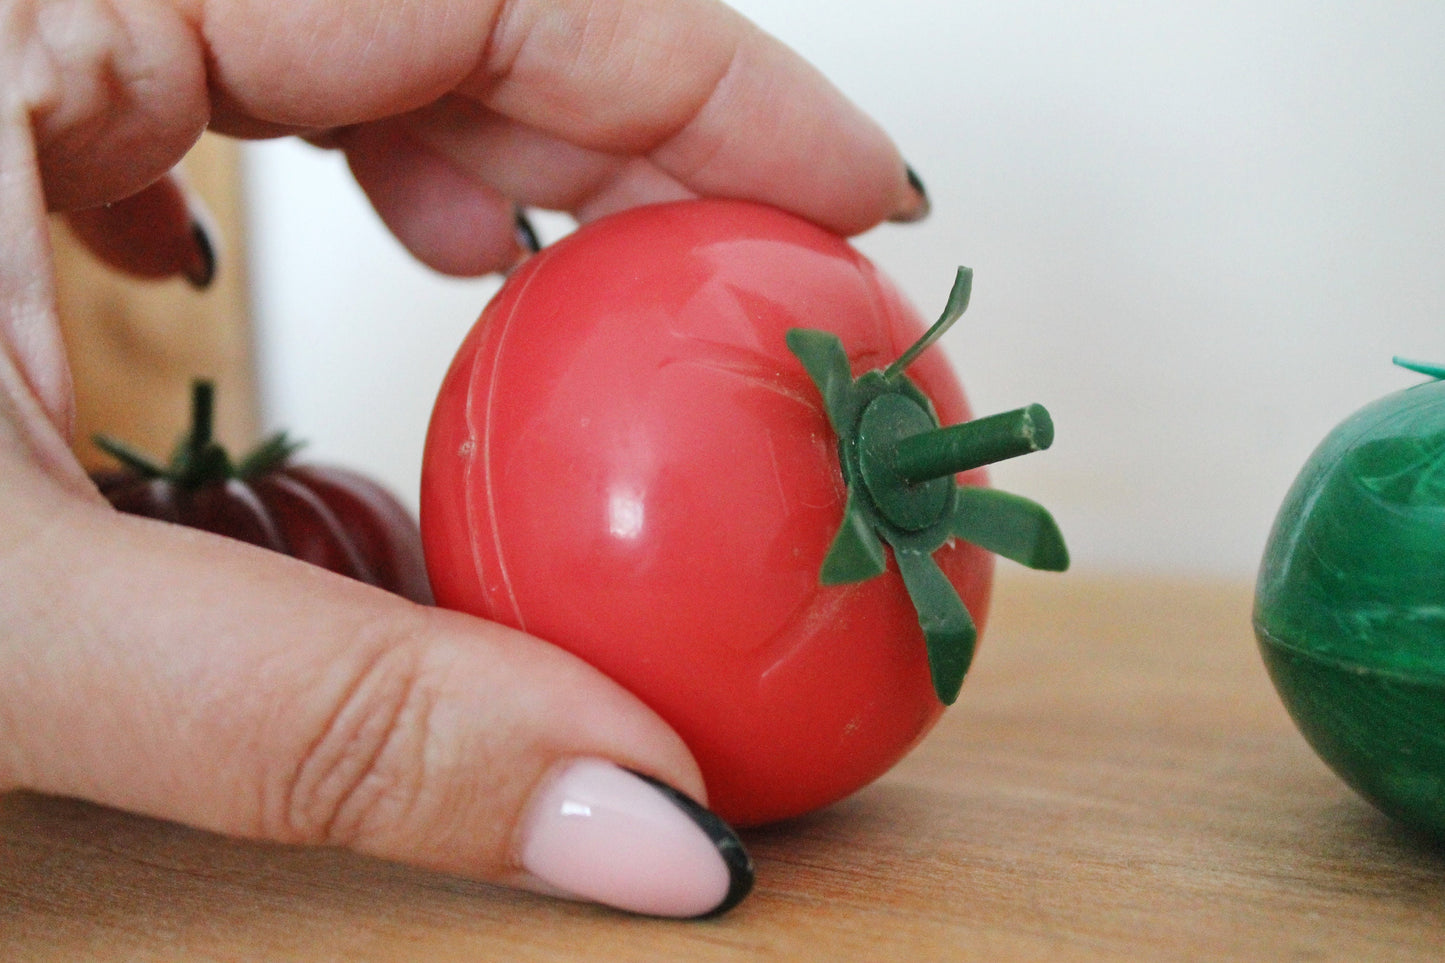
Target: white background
x: 1200, y: 232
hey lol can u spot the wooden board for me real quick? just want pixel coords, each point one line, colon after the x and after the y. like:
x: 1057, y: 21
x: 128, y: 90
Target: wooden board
x: 135, y: 345
x: 1117, y: 782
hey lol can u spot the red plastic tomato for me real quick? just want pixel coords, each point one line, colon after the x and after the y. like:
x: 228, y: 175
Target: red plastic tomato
x: 627, y: 460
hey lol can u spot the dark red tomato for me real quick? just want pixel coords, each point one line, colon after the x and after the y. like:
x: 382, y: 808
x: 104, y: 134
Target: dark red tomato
x: 331, y: 517
x: 626, y: 459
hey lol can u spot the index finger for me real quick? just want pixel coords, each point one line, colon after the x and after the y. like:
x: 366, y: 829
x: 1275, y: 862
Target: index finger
x: 707, y: 97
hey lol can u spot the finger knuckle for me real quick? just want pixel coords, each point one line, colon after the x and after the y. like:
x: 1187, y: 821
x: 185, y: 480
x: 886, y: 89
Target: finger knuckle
x: 365, y: 775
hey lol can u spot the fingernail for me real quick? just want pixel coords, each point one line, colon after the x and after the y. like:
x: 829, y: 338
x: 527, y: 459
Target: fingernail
x: 526, y: 233
x: 200, y: 267
x: 606, y: 834
x: 918, y: 205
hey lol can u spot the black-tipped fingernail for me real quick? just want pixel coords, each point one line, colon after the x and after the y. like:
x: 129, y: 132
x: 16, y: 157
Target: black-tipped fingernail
x: 526, y: 233
x: 600, y: 832
x: 729, y: 846
x: 200, y: 267
x: 917, y: 206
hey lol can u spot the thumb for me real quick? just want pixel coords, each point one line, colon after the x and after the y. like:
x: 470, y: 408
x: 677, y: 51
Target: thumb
x: 189, y: 677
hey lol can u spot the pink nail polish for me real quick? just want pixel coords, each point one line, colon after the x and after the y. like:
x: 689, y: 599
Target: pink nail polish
x: 601, y: 833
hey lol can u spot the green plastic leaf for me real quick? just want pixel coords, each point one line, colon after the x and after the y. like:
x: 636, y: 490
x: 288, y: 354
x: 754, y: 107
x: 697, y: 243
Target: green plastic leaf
x: 269, y: 455
x: 952, y: 311
x: 1009, y: 525
x: 948, y: 629
x: 856, y: 554
x: 136, y: 461
x: 826, y: 362
x: 1436, y: 371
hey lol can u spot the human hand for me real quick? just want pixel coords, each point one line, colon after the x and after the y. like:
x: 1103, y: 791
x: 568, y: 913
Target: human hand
x: 194, y: 678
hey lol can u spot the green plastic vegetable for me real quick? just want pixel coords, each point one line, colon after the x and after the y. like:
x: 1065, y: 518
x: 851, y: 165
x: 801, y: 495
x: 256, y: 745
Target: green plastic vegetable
x: 1350, y: 602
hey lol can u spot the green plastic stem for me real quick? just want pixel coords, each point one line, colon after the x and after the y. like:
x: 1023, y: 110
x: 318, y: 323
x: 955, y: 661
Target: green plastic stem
x: 973, y: 444
x: 203, y: 415
x: 198, y: 459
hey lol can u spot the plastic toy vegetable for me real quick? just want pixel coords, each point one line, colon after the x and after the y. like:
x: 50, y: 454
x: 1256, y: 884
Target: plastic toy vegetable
x: 331, y: 517
x: 1350, y: 602
x: 651, y: 445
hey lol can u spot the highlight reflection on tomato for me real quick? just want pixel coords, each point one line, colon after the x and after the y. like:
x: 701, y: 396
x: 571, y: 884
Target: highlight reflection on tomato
x: 627, y: 459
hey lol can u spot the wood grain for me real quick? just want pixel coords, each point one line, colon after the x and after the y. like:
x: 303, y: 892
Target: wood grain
x: 1118, y: 781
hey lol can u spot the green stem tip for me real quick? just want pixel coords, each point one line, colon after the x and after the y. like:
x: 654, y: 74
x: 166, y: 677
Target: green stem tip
x: 203, y: 414
x: 1436, y: 371
x: 973, y: 444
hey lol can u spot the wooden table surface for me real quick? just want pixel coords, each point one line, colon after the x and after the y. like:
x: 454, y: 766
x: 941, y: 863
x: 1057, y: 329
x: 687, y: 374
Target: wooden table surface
x: 1118, y: 781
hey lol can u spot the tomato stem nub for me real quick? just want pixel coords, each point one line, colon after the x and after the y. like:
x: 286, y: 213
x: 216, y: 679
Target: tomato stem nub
x: 973, y: 444
x: 198, y: 459
x: 899, y: 465
x: 203, y: 415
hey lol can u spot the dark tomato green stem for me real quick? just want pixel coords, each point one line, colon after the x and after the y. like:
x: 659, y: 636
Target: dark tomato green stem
x: 973, y: 444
